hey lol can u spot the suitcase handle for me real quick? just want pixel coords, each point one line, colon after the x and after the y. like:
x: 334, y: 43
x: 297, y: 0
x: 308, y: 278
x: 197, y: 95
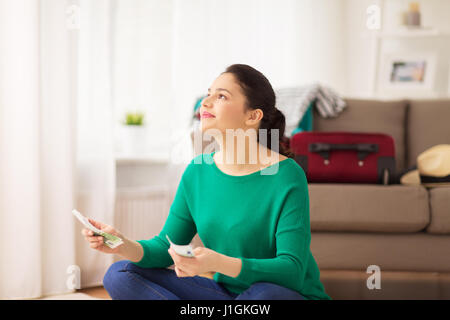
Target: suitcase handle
x: 363, y: 149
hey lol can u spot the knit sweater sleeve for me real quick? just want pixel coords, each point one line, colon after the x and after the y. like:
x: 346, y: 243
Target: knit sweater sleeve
x: 293, y: 239
x: 180, y: 228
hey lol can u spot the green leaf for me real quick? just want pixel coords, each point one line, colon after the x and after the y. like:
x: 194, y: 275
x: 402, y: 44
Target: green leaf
x: 134, y: 118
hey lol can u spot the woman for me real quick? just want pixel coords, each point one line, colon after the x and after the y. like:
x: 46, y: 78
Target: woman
x: 248, y: 203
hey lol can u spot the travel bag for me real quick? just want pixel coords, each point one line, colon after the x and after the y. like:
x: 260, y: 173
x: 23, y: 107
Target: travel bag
x: 345, y: 157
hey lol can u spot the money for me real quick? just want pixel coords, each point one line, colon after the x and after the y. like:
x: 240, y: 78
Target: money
x: 185, y: 251
x: 110, y: 240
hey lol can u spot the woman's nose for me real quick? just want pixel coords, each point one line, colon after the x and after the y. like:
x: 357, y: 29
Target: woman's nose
x: 205, y: 102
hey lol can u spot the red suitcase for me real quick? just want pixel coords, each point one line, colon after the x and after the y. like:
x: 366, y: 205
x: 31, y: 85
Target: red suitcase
x: 345, y: 157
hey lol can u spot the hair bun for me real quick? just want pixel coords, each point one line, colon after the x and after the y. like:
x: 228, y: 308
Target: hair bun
x: 278, y: 121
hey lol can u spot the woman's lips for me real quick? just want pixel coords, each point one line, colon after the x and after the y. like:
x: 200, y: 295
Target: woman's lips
x: 207, y: 115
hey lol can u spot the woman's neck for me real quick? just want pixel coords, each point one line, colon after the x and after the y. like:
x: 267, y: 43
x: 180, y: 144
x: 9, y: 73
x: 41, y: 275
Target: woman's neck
x: 243, y: 159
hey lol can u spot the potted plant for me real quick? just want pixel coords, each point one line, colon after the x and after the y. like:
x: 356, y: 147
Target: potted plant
x: 134, y: 134
x: 134, y: 118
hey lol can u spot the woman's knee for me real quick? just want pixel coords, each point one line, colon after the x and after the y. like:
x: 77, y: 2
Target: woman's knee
x: 270, y: 291
x: 115, y: 274
x: 124, y: 280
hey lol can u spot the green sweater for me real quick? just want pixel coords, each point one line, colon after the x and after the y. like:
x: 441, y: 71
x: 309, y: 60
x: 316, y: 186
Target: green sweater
x: 261, y: 218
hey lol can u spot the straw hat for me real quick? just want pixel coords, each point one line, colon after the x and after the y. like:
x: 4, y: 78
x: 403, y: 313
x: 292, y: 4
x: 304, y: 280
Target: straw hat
x: 433, y: 168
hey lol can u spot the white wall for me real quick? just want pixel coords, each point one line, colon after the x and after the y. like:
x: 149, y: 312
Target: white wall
x: 178, y: 47
x: 292, y: 42
x: 320, y: 43
x: 167, y: 53
x: 142, y: 67
x: 361, y: 48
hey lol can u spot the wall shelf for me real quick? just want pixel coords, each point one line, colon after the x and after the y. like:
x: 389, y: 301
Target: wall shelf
x: 142, y: 159
x: 412, y: 33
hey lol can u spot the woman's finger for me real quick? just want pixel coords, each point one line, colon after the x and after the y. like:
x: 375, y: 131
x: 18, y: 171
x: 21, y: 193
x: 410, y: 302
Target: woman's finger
x: 178, y: 259
x: 86, y: 232
x: 180, y: 273
x: 174, y: 256
x: 94, y: 245
x: 94, y: 239
x: 98, y: 224
x: 185, y: 272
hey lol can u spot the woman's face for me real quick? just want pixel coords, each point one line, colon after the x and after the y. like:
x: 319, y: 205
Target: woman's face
x: 226, y: 102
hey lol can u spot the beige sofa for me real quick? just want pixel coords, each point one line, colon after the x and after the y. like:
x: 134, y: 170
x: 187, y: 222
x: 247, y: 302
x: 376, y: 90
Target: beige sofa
x: 404, y: 230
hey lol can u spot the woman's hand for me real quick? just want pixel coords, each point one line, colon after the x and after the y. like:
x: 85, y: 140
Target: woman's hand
x: 204, y: 262
x: 96, y: 242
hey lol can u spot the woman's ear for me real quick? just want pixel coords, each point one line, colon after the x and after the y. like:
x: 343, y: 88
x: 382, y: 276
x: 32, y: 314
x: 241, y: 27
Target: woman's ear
x: 255, y: 115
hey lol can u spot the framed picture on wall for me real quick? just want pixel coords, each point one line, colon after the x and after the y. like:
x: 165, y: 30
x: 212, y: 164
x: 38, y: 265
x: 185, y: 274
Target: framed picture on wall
x: 410, y: 74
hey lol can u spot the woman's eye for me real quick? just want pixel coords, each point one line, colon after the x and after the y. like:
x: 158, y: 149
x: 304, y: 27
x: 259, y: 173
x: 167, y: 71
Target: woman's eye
x: 221, y: 95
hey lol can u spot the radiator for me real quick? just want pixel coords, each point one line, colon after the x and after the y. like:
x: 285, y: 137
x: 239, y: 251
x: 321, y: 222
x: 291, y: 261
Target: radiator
x: 141, y: 213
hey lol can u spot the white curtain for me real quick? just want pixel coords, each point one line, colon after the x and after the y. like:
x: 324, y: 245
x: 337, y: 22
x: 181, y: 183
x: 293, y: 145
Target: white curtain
x: 55, y: 142
x: 95, y: 151
x: 36, y: 167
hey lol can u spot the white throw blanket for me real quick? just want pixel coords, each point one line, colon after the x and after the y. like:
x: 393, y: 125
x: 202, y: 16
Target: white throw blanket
x: 293, y: 102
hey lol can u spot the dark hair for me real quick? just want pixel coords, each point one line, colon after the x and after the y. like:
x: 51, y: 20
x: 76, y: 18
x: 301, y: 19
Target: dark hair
x: 260, y: 95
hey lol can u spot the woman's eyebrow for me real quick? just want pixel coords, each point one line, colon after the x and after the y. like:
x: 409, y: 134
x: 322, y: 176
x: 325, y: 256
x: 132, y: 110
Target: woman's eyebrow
x: 220, y: 89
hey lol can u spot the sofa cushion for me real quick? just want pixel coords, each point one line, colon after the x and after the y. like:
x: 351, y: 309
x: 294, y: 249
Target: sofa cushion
x: 419, y: 251
x: 388, y: 117
x: 427, y: 125
x: 368, y: 208
x: 395, y: 285
x: 440, y: 210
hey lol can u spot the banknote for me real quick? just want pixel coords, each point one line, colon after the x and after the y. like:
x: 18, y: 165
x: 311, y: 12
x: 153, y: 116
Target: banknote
x: 185, y: 251
x: 110, y: 240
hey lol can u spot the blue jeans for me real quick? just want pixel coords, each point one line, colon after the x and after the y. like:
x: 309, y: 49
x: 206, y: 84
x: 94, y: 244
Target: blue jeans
x: 126, y: 281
